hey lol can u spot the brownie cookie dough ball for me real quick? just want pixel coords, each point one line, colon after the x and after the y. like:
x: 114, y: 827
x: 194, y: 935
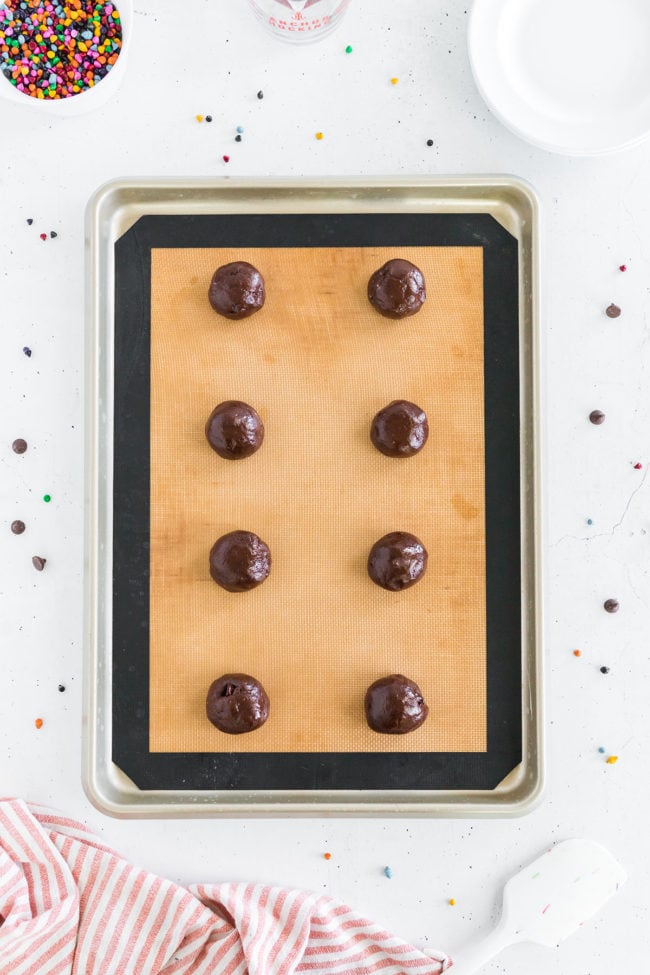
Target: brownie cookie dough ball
x: 234, y: 430
x: 397, y: 561
x: 237, y: 703
x: 237, y: 290
x: 239, y: 561
x: 394, y: 705
x: 400, y: 429
x: 397, y: 289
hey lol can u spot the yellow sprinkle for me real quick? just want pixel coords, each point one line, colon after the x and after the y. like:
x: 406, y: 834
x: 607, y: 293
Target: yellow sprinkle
x: 451, y: 902
x: 319, y: 135
x: 199, y: 118
x: 394, y: 81
x: 612, y: 760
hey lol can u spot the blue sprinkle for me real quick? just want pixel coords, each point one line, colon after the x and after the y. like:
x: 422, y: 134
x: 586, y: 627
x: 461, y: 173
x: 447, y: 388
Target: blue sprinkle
x: 389, y: 873
x: 240, y: 129
x: 601, y: 750
x: 589, y: 521
x: 27, y: 351
x: 87, y: 35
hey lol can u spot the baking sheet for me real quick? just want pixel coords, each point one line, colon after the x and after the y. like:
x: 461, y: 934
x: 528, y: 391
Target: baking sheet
x: 126, y: 222
x: 317, y: 362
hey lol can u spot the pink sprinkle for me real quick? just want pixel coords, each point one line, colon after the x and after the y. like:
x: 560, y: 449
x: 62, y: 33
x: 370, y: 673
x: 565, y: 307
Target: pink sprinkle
x: 546, y: 909
x: 637, y: 467
x: 623, y: 267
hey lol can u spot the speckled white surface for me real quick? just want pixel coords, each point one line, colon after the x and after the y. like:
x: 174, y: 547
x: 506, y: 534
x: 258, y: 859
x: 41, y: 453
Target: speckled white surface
x: 596, y: 216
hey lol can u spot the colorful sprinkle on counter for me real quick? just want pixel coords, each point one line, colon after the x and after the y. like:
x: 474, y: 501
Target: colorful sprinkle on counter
x: 53, y: 50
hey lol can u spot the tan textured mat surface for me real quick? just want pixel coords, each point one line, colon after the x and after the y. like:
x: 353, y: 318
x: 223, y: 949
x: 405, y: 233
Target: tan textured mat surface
x: 317, y: 363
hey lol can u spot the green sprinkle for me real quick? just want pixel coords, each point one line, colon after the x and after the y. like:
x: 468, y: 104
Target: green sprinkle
x: 348, y: 49
x: 47, y: 498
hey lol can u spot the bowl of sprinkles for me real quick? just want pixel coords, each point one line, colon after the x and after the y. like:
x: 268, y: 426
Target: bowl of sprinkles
x: 63, y: 56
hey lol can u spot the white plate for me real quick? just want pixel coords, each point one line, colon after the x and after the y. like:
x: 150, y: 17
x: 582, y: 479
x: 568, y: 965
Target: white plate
x: 571, y: 76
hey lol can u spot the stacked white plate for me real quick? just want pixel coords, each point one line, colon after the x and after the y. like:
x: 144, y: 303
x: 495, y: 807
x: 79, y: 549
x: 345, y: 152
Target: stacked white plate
x: 571, y: 76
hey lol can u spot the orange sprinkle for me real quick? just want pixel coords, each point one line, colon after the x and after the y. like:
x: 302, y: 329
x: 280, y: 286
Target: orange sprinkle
x: 327, y: 856
x: 451, y: 902
x: 577, y: 653
x: 319, y: 135
x: 612, y: 760
x: 39, y: 723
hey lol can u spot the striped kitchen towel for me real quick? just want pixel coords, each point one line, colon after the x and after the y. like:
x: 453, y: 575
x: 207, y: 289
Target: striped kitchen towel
x: 71, y: 906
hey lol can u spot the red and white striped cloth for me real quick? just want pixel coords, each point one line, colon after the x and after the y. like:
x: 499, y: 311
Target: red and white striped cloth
x: 71, y: 906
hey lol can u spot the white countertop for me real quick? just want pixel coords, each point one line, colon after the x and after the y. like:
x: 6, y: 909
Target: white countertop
x: 596, y: 216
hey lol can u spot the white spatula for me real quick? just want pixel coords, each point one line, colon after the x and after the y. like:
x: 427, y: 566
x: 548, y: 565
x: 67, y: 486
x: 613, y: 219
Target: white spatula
x: 548, y: 900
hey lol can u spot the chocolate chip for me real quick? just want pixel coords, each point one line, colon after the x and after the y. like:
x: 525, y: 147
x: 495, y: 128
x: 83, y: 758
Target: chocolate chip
x: 604, y: 670
x: 597, y: 417
x: 38, y: 562
x: 238, y: 138
x: 19, y: 446
x: 612, y: 311
x: 18, y: 527
x: 61, y: 688
x: 611, y: 605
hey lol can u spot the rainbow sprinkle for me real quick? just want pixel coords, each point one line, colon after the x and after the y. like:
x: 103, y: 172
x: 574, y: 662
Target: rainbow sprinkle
x: 51, y: 49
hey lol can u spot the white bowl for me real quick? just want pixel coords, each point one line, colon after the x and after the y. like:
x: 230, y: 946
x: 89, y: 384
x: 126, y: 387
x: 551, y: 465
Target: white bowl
x: 87, y: 100
x: 570, y: 76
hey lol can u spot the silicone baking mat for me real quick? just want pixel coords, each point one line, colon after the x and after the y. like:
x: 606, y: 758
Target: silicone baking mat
x: 317, y: 363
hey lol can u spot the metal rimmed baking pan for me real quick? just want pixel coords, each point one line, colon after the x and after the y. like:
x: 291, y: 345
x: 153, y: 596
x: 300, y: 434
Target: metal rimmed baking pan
x: 125, y: 222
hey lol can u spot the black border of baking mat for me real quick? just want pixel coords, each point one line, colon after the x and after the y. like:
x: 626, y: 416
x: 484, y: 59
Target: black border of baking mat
x: 329, y: 771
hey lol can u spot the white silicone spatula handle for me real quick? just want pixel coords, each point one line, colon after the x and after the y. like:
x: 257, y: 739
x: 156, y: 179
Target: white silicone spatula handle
x: 472, y: 958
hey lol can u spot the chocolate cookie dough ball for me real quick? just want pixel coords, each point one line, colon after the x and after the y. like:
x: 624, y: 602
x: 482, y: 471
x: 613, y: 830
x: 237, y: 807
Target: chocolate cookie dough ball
x: 400, y: 429
x: 397, y: 561
x: 237, y: 703
x: 234, y: 429
x: 239, y: 561
x: 397, y: 289
x: 394, y: 705
x: 237, y: 290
